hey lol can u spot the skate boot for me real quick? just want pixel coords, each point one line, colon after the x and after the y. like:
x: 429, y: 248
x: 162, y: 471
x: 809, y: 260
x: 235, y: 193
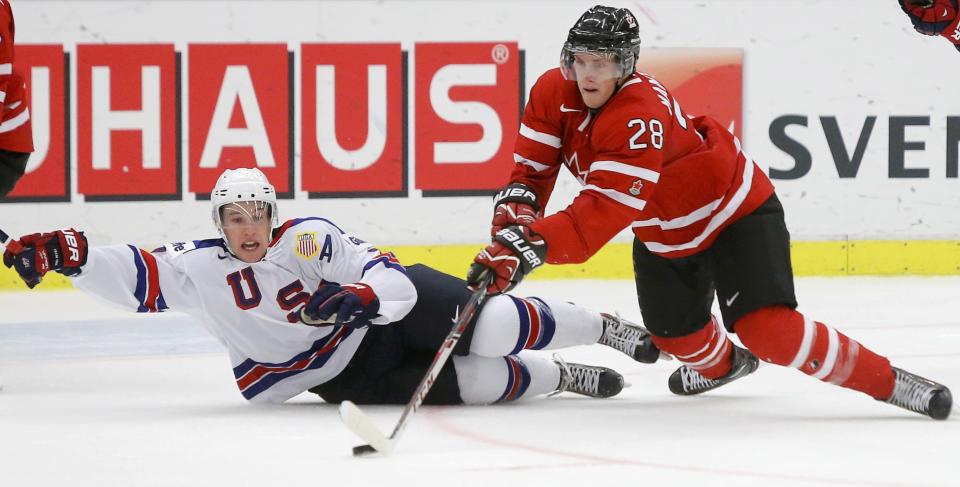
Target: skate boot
x: 912, y: 392
x: 588, y: 380
x: 629, y: 338
x: 687, y: 382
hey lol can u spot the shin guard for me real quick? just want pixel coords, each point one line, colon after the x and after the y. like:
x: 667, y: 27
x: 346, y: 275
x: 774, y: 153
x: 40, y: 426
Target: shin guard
x: 707, y: 351
x: 782, y: 336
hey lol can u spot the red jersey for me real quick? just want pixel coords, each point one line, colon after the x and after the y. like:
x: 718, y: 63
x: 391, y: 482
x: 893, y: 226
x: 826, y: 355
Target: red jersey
x: 16, y: 134
x: 677, y: 181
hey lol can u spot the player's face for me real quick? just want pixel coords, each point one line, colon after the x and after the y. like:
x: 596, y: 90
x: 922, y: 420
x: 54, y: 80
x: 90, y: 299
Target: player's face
x: 597, y: 77
x: 247, y: 227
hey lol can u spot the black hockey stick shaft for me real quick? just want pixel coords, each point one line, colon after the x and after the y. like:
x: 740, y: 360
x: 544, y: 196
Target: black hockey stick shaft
x: 461, y: 321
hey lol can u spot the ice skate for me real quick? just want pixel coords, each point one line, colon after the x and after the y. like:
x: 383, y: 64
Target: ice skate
x: 588, y: 380
x: 914, y: 393
x: 629, y: 338
x: 687, y: 382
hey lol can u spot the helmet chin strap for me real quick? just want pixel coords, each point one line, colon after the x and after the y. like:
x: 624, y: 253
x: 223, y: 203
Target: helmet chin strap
x: 229, y: 247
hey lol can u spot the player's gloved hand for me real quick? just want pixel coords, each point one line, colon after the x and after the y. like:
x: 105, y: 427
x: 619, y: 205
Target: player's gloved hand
x: 515, y: 252
x: 930, y: 17
x: 353, y: 305
x: 32, y: 256
x: 515, y: 204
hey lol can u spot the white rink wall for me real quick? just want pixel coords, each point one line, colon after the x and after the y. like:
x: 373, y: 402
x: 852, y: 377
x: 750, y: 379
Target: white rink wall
x: 849, y: 60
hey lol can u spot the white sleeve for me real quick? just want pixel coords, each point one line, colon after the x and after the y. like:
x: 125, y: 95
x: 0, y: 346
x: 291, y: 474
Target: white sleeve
x: 136, y: 280
x: 353, y: 260
x: 383, y: 272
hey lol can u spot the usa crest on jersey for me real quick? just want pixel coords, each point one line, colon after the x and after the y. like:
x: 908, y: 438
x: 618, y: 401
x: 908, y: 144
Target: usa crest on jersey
x: 307, y: 245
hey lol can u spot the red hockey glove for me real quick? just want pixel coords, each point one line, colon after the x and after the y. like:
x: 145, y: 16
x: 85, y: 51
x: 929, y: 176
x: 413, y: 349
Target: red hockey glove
x: 514, y: 205
x: 32, y: 256
x: 515, y: 252
x: 934, y: 17
x: 353, y: 305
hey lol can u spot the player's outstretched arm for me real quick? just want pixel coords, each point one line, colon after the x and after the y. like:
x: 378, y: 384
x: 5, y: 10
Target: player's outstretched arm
x: 123, y: 275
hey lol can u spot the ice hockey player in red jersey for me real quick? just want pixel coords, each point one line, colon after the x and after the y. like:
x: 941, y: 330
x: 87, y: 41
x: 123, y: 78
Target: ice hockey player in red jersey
x: 706, y: 221
x: 304, y: 305
x: 935, y: 18
x: 16, y: 136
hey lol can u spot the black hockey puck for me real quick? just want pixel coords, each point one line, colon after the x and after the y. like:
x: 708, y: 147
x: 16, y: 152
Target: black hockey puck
x: 363, y: 450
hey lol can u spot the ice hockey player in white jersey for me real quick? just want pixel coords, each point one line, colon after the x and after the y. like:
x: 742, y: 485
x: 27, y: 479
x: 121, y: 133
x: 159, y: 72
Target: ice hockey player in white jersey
x: 306, y: 306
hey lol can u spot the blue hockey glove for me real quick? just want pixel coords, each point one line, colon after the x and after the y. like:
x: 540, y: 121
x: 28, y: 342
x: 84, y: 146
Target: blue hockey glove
x: 353, y: 305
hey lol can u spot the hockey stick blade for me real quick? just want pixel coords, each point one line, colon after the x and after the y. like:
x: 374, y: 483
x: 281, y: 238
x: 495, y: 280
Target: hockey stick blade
x: 361, y: 425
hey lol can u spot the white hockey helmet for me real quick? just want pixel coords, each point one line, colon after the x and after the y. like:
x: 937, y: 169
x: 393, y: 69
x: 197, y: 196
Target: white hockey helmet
x: 236, y: 185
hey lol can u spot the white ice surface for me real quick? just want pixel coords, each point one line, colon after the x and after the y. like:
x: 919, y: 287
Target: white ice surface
x: 97, y: 397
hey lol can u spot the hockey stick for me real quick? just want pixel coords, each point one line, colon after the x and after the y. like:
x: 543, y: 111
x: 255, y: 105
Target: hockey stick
x: 365, y: 428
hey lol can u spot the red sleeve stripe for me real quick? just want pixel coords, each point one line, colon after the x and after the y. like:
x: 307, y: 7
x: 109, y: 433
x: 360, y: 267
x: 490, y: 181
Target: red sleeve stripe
x: 537, y: 166
x: 546, y: 139
x: 623, y: 199
x: 621, y: 168
x: 153, y: 281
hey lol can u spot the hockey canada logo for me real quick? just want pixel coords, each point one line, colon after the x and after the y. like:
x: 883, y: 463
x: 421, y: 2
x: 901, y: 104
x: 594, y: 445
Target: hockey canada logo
x: 307, y: 245
x: 636, y: 187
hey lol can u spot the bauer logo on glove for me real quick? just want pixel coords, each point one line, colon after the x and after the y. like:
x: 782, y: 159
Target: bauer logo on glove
x: 514, y: 237
x: 514, y: 205
x: 514, y: 253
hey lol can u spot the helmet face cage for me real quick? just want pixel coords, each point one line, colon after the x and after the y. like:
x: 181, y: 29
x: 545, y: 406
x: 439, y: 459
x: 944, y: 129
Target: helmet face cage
x: 239, y: 186
x: 625, y: 57
x: 245, y: 213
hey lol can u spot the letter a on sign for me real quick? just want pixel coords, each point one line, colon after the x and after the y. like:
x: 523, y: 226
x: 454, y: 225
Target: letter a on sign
x: 239, y: 112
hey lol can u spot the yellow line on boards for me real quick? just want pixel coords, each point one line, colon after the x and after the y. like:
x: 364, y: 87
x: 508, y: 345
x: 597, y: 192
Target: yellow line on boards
x: 832, y: 258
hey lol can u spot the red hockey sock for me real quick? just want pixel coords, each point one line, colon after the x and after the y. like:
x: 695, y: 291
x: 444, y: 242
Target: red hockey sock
x: 782, y: 336
x: 707, y: 350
